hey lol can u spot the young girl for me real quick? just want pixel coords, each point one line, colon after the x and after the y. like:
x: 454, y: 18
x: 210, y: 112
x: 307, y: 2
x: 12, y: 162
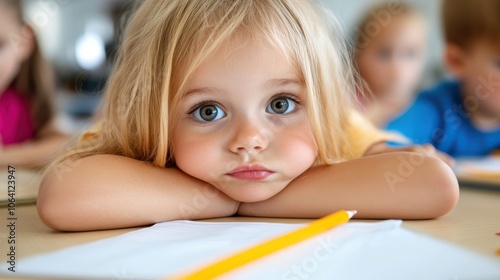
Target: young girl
x: 223, y: 107
x: 27, y: 134
x: 390, y: 53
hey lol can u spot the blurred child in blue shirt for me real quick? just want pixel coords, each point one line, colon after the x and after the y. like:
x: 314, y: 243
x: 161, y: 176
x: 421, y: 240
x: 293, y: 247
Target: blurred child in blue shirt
x: 461, y: 117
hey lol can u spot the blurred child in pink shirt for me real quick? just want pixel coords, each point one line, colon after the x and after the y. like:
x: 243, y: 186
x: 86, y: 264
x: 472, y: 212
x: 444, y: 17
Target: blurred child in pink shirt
x: 28, y: 137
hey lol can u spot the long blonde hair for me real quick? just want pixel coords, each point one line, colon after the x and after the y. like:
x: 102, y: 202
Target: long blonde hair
x: 165, y: 42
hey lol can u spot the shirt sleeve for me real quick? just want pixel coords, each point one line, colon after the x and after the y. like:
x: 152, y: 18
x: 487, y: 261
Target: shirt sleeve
x: 419, y: 123
x: 362, y: 134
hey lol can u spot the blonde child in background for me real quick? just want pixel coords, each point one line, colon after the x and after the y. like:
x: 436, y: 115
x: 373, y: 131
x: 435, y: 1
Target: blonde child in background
x: 216, y: 108
x: 390, y: 48
x: 461, y: 116
x: 28, y: 137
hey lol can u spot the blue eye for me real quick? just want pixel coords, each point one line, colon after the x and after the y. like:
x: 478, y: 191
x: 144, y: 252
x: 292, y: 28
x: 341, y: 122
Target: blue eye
x: 281, y: 105
x: 208, y: 113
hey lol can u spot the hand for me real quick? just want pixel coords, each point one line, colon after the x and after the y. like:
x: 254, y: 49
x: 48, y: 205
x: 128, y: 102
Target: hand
x: 2, y: 156
x: 427, y: 149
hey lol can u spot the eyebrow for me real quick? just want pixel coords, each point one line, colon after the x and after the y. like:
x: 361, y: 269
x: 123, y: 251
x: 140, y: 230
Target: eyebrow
x: 282, y: 82
x: 201, y: 90
x: 269, y: 84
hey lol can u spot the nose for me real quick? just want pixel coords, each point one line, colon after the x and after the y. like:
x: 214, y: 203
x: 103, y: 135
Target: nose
x: 397, y: 72
x: 249, y: 137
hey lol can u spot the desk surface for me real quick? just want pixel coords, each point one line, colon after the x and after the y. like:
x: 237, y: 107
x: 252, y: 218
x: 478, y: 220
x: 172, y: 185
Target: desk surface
x: 472, y: 224
x: 26, y: 186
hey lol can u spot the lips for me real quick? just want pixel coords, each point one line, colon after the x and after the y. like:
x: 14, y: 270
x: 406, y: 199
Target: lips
x: 250, y: 172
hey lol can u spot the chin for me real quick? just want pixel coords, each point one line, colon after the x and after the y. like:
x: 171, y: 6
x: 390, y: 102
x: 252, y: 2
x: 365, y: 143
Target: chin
x: 253, y: 194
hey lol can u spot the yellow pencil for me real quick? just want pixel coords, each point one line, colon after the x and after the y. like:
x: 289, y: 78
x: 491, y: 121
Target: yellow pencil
x: 268, y: 247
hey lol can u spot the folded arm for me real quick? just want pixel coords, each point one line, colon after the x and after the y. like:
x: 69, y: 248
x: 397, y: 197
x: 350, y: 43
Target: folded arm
x: 35, y: 153
x: 393, y: 185
x: 106, y: 191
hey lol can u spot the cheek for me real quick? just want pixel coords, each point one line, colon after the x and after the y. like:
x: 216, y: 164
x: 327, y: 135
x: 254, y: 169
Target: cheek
x: 369, y: 65
x: 297, y: 148
x: 194, y: 154
x: 411, y: 73
x: 372, y: 72
x: 484, y: 88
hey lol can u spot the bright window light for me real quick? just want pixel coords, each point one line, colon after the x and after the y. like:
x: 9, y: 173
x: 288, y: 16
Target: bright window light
x: 90, y: 53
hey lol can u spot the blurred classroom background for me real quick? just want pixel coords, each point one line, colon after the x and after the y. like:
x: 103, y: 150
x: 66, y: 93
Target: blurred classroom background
x: 80, y: 38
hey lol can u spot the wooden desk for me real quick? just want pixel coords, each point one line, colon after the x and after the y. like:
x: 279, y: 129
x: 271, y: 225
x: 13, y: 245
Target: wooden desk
x: 472, y: 224
x: 26, y: 187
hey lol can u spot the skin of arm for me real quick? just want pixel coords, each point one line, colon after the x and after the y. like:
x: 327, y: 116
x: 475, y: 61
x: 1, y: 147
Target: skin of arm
x: 426, y: 149
x: 108, y: 191
x: 393, y: 185
x: 36, y: 153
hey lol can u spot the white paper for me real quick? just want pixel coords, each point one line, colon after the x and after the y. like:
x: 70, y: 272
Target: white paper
x: 378, y: 250
x: 472, y: 166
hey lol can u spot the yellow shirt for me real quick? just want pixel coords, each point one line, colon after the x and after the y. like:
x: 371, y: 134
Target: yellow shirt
x: 362, y: 134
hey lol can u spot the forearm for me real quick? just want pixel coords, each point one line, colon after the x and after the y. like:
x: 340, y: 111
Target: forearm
x: 395, y: 185
x: 33, y: 154
x: 105, y: 191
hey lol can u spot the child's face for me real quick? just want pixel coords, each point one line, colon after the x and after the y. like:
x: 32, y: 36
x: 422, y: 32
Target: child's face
x: 243, y: 123
x: 480, y: 76
x: 12, y: 48
x: 391, y: 63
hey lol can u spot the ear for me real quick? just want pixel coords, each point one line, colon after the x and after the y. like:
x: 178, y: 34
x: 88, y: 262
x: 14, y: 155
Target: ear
x: 455, y: 59
x: 26, y: 45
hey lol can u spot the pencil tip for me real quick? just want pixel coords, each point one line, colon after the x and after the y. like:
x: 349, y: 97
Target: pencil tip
x: 351, y: 213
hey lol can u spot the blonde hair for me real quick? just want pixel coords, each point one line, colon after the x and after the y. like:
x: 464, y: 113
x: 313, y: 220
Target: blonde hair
x: 35, y: 79
x: 166, y: 41
x: 465, y: 22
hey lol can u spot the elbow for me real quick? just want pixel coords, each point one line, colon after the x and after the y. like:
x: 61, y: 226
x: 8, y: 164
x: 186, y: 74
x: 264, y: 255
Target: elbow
x: 47, y: 215
x: 444, y: 189
x: 52, y: 207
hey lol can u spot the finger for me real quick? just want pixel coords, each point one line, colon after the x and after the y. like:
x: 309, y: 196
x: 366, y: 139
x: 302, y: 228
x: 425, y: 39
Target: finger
x: 446, y: 158
x: 428, y: 149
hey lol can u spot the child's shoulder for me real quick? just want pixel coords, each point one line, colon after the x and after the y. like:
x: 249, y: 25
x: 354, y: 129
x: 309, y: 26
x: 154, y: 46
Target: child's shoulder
x: 12, y: 98
x: 16, y: 123
x: 14, y: 105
